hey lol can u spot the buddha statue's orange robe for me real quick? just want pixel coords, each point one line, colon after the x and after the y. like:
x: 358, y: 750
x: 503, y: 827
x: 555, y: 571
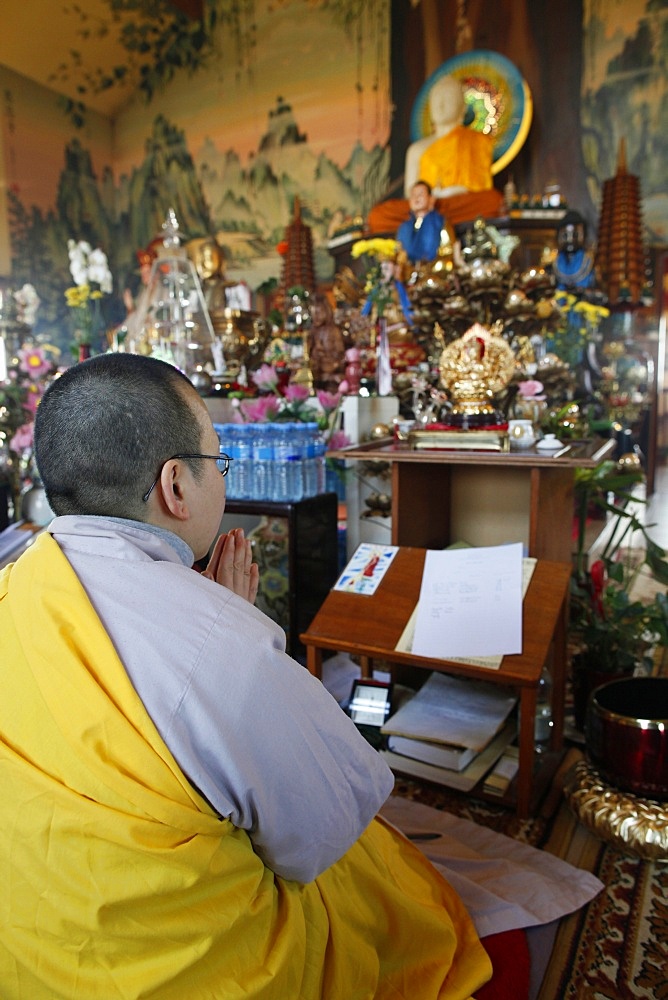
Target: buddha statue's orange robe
x: 461, y: 157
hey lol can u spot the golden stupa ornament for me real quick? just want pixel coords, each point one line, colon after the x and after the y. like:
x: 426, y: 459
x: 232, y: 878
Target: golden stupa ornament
x: 473, y: 370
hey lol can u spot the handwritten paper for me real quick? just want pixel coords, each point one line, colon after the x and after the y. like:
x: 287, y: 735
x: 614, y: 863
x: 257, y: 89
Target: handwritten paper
x: 470, y: 603
x: 366, y: 569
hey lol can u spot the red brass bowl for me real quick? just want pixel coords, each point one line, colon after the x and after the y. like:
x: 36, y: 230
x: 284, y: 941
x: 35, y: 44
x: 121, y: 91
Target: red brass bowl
x: 627, y: 734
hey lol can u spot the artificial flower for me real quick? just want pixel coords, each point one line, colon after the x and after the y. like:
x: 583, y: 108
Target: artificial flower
x: 266, y: 377
x: 296, y: 393
x: 33, y: 361
x: 328, y: 400
x: 380, y: 247
x: 264, y: 408
x: 23, y: 438
x: 530, y: 389
x: 34, y: 392
x: 338, y: 439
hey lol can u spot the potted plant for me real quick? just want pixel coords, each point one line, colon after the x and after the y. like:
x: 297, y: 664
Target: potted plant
x: 612, y: 632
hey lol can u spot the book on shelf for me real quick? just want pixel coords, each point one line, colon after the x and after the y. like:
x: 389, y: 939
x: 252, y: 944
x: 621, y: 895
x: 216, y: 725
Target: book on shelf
x: 441, y: 754
x: 505, y: 769
x: 463, y: 780
x: 454, y: 711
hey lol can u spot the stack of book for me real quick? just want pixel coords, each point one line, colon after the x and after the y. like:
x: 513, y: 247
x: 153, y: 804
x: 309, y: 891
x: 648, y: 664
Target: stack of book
x: 452, y: 731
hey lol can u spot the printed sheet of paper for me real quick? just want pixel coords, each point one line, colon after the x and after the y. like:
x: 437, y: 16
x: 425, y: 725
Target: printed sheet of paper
x: 366, y: 569
x: 405, y: 644
x: 470, y: 603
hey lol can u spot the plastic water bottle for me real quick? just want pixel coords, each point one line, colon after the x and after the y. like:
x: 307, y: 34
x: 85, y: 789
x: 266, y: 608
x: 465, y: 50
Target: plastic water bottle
x: 309, y: 460
x: 320, y: 463
x: 263, y: 461
x: 281, y: 450
x: 543, y: 718
x: 228, y: 437
x: 294, y: 455
x: 243, y: 463
x: 288, y: 468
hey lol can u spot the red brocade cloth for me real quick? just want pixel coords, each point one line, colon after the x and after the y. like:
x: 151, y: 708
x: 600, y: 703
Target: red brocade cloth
x: 509, y: 954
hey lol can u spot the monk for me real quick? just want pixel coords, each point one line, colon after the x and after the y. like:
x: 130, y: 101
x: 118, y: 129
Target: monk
x: 186, y: 813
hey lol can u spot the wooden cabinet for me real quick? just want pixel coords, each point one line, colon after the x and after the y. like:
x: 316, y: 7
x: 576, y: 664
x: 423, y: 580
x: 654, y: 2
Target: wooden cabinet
x: 483, y: 498
x: 308, y: 557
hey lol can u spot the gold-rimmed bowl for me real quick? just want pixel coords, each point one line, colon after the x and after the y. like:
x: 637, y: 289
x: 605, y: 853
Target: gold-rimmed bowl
x: 626, y: 734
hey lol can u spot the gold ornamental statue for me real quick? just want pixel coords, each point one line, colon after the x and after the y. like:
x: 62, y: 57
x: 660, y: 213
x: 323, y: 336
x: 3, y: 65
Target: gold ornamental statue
x: 474, y: 369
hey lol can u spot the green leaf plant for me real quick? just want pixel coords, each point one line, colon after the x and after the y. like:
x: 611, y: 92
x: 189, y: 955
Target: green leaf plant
x: 614, y: 632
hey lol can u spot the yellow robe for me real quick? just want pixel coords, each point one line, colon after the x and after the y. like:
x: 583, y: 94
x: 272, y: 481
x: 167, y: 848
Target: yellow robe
x: 461, y: 157
x: 119, y: 881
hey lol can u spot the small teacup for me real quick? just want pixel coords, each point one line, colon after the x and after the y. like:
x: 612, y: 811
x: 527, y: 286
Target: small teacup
x: 521, y: 433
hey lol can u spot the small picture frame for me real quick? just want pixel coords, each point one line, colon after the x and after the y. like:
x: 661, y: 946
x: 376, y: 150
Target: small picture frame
x: 370, y: 702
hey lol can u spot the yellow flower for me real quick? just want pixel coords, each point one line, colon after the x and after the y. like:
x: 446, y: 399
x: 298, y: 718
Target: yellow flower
x: 591, y: 311
x: 380, y: 247
x: 77, y: 296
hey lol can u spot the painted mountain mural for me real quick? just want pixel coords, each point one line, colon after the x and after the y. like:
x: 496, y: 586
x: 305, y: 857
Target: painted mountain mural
x: 245, y: 205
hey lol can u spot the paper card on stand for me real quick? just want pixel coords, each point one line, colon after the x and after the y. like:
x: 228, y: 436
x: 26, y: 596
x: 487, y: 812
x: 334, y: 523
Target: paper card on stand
x: 470, y: 603
x: 366, y: 569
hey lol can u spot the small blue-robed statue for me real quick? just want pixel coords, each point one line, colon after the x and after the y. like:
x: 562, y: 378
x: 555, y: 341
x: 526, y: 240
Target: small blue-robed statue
x: 574, y: 265
x: 420, y: 235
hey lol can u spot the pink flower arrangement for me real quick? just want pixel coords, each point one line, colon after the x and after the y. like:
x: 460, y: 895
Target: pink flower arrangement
x: 261, y: 409
x: 20, y: 395
x: 278, y: 401
x: 531, y: 389
x: 296, y: 393
x: 266, y: 378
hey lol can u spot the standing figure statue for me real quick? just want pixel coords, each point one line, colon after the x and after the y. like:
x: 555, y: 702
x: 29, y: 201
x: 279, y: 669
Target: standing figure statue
x: 326, y: 346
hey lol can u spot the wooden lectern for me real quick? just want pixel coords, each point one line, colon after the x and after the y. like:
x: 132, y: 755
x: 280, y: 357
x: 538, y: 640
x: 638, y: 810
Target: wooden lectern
x: 369, y: 627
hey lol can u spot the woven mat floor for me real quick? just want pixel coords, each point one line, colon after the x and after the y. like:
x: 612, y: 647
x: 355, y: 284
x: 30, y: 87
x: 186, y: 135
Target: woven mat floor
x: 616, y: 948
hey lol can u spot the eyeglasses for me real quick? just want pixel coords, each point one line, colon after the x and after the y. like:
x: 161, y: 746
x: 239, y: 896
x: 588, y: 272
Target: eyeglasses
x: 222, y: 461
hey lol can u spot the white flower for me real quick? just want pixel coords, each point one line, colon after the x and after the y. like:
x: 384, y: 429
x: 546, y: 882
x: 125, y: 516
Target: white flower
x: 78, y: 253
x: 89, y: 266
x: 98, y: 270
